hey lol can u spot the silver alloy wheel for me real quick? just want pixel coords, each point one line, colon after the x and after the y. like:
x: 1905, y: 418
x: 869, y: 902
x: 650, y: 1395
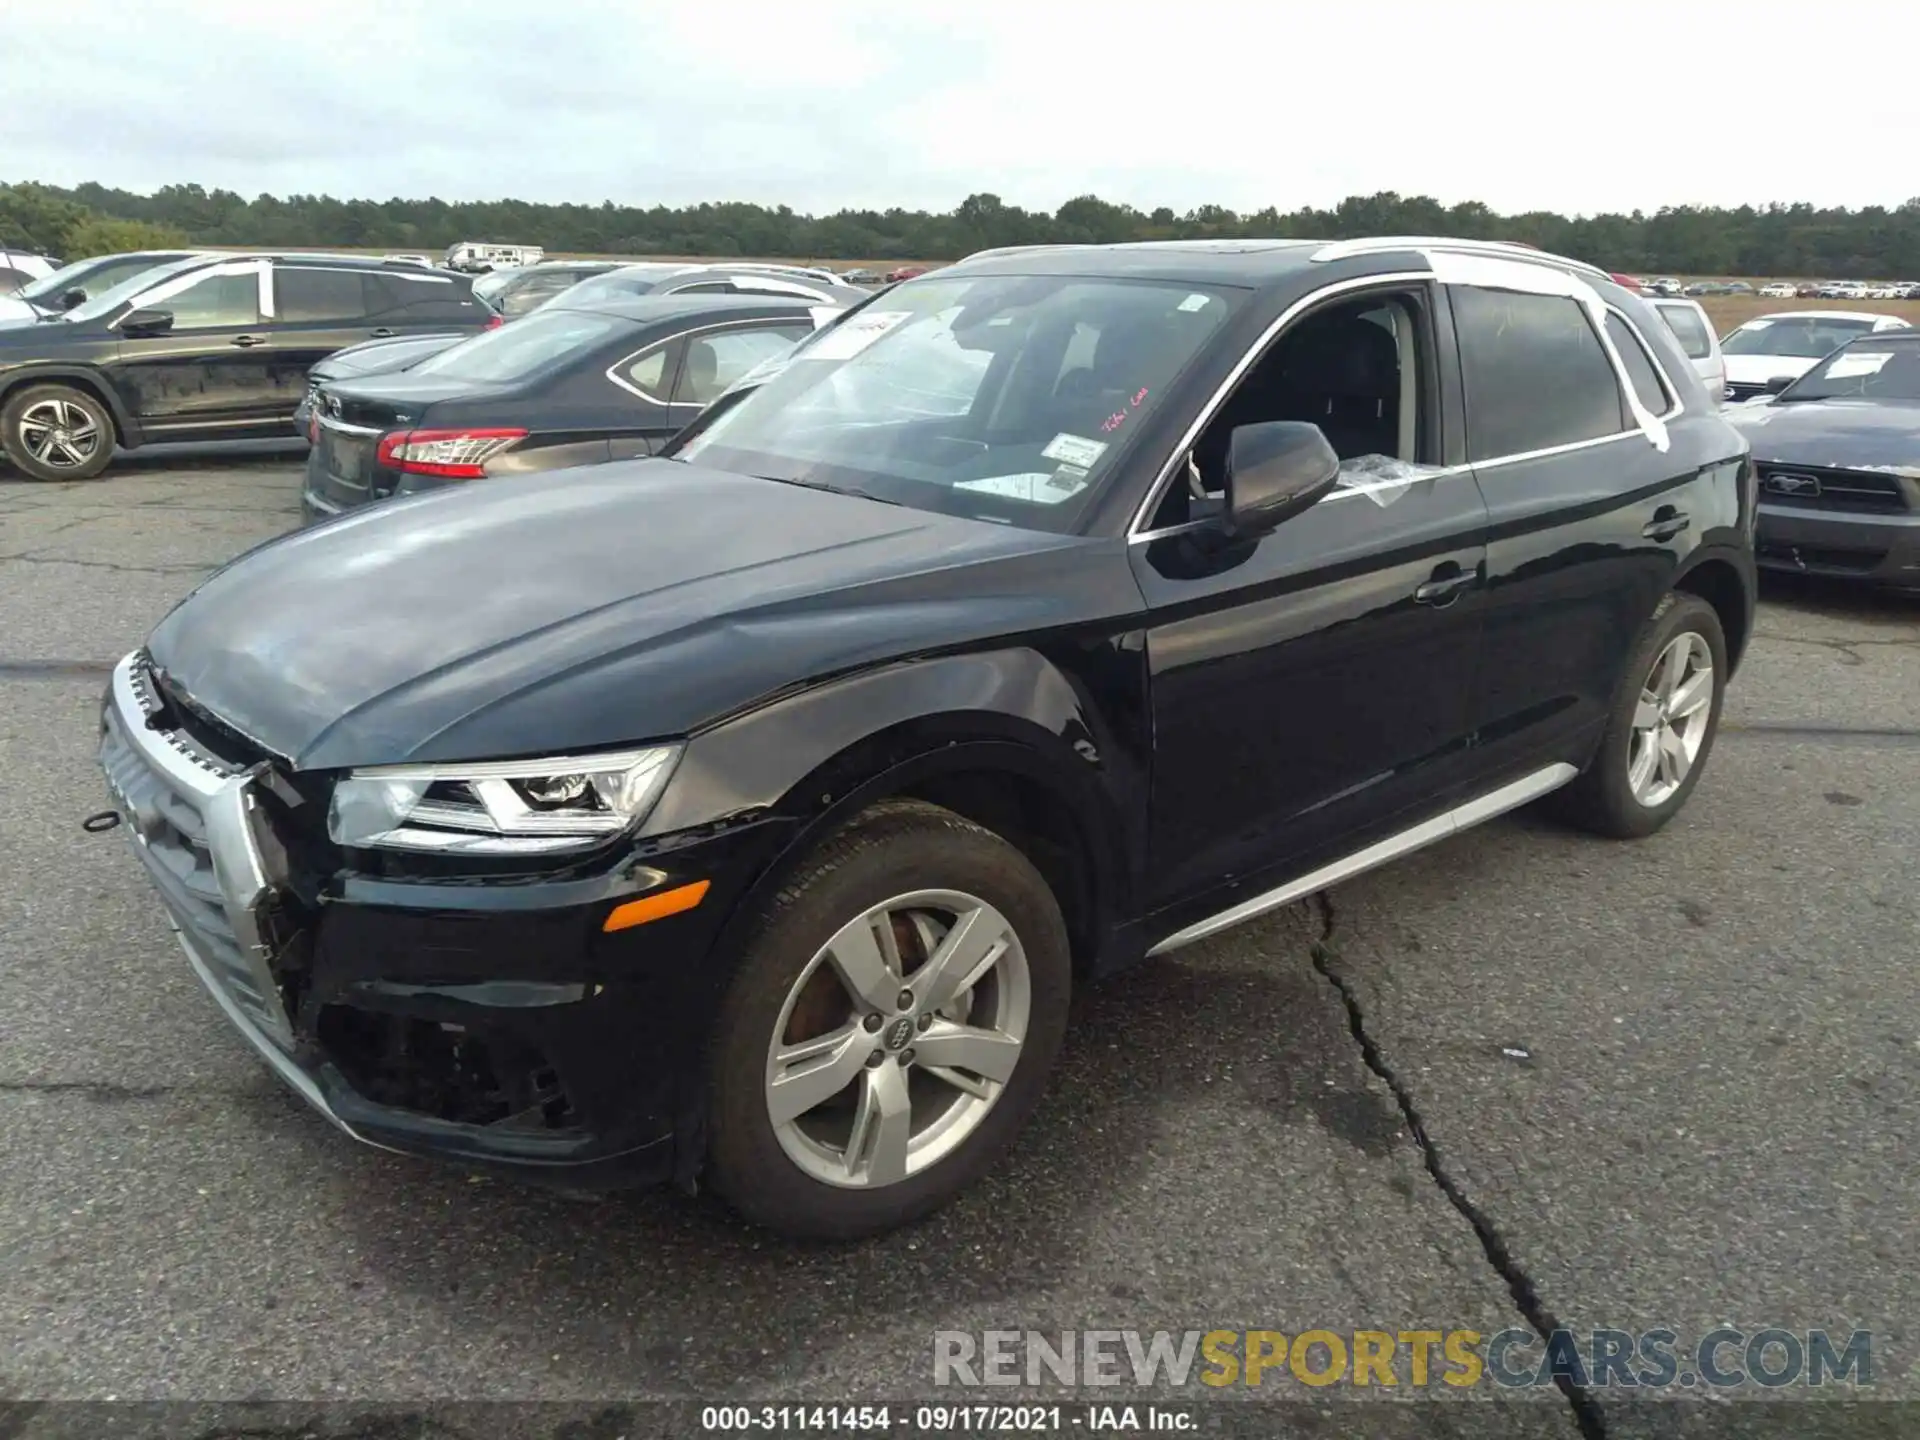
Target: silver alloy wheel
x: 59, y: 434
x: 897, y: 1038
x: 1670, y: 722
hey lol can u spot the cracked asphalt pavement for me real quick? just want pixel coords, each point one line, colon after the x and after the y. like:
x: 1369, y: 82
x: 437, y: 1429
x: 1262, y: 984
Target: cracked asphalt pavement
x: 1523, y: 1078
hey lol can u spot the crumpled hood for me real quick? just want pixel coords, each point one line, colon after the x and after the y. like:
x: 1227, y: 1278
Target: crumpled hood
x: 596, y: 607
x: 1836, y: 434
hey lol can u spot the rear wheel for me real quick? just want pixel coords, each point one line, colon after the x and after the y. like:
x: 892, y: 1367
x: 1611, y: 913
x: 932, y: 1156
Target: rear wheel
x: 1661, y: 729
x: 56, y: 432
x: 890, y: 1027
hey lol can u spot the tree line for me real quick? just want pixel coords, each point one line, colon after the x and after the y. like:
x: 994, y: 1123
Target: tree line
x: 1874, y: 242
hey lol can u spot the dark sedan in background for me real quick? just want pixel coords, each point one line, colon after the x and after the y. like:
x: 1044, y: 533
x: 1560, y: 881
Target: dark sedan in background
x: 1838, y: 457
x: 571, y: 384
x: 79, y: 282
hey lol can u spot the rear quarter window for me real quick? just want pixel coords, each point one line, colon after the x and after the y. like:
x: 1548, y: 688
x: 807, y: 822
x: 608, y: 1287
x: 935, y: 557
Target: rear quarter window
x: 1640, y: 367
x: 1536, y: 374
x: 1689, y: 329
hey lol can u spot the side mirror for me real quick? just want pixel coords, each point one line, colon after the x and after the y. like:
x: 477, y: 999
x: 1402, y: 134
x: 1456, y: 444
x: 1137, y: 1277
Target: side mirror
x: 1275, y: 470
x: 147, y: 322
x: 1779, y: 383
x: 71, y: 298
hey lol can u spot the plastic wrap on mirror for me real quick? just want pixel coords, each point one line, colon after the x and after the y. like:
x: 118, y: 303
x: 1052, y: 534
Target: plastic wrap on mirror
x: 1382, y: 478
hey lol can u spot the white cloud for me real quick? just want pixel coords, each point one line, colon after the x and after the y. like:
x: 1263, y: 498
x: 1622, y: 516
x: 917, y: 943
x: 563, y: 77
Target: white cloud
x: 1638, y: 103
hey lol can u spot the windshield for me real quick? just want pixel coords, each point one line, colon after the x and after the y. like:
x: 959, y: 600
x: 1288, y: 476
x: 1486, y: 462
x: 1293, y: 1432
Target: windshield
x: 627, y: 281
x: 1808, y: 336
x: 494, y: 281
x: 1000, y: 398
x: 114, y: 296
x: 1875, y: 368
x: 523, y: 349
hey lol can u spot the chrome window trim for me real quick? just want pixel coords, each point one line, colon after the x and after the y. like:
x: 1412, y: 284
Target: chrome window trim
x: 175, y: 284
x: 1676, y: 407
x: 760, y: 322
x: 1155, y: 492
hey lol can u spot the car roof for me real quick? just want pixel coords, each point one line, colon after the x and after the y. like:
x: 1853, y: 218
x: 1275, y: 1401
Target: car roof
x: 647, y: 309
x: 1248, y: 262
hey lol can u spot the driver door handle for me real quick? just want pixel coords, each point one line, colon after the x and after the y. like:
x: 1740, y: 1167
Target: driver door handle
x: 1667, y: 522
x: 248, y: 341
x: 1444, y: 587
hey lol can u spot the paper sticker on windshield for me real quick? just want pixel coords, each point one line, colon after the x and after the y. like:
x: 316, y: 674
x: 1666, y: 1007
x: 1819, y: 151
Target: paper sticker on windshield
x: 850, y: 337
x: 1857, y: 362
x: 1756, y: 325
x: 1032, y: 486
x: 1195, y: 302
x: 1075, y: 450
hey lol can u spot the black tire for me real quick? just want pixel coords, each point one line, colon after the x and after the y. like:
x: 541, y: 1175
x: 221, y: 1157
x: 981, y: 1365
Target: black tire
x: 1602, y: 799
x: 33, y: 401
x: 894, y: 848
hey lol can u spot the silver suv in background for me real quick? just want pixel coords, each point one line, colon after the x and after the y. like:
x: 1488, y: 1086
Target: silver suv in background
x: 1694, y: 331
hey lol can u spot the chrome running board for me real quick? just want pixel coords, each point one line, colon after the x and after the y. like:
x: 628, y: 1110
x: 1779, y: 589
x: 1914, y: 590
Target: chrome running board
x: 1463, y: 817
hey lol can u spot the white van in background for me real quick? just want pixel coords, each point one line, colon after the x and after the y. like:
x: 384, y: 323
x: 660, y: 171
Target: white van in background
x: 1694, y: 331
x: 476, y: 255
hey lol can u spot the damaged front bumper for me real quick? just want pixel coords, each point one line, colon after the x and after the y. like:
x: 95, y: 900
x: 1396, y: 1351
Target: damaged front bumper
x: 490, y: 1023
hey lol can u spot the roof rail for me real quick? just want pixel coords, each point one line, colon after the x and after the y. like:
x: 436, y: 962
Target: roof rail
x: 1505, y: 249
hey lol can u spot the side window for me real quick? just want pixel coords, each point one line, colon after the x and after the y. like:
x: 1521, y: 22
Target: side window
x: 1640, y: 368
x: 1360, y: 369
x: 304, y: 296
x: 1688, y: 329
x: 715, y: 361
x: 1535, y: 373
x: 12, y: 280
x: 216, y: 303
x: 651, y: 372
x: 706, y: 287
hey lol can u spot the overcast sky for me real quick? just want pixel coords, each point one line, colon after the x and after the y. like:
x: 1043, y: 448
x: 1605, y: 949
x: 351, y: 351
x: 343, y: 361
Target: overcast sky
x: 819, y: 105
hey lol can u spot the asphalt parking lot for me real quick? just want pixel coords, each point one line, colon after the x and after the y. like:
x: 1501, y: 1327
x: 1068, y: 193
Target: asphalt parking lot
x: 1670, y: 1083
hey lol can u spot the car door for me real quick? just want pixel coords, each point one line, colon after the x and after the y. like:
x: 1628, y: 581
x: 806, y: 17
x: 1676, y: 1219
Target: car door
x: 317, y: 310
x: 1311, y: 688
x: 1592, y: 497
x: 207, y: 375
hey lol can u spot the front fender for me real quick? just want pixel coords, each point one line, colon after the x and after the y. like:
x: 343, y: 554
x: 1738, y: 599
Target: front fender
x: 1074, y: 725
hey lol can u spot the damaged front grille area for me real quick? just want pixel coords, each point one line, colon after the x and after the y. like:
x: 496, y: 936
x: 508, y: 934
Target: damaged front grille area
x: 445, y: 1071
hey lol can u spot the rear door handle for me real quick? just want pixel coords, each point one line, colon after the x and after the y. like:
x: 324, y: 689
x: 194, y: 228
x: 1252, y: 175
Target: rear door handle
x: 247, y: 342
x: 1445, y: 586
x: 1667, y: 522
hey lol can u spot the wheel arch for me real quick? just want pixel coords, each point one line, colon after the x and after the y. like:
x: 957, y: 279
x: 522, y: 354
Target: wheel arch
x: 1002, y: 738
x: 126, y: 433
x: 1718, y: 580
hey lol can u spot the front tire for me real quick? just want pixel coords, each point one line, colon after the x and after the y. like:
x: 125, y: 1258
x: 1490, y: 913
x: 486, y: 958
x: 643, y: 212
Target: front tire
x: 56, y: 432
x: 1662, y: 726
x: 896, y: 1011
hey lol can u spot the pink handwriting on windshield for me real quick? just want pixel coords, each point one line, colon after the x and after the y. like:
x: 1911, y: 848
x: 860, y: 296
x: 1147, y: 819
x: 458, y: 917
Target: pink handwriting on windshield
x: 1119, y: 417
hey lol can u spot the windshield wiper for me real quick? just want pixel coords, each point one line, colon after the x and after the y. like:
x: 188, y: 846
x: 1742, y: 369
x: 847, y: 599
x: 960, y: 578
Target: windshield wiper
x: 830, y: 489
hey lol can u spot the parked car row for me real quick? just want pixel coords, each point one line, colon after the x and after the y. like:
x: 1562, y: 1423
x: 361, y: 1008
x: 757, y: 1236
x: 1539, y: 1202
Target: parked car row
x: 1789, y: 289
x: 746, y: 814
x: 128, y: 350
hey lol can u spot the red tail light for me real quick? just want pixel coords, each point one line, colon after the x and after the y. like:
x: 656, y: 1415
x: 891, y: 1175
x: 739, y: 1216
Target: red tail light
x: 1627, y: 282
x: 313, y: 424
x: 450, y: 454
x: 494, y: 322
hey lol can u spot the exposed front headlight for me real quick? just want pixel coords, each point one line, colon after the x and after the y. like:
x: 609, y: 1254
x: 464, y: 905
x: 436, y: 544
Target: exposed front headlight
x: 511, y: 807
